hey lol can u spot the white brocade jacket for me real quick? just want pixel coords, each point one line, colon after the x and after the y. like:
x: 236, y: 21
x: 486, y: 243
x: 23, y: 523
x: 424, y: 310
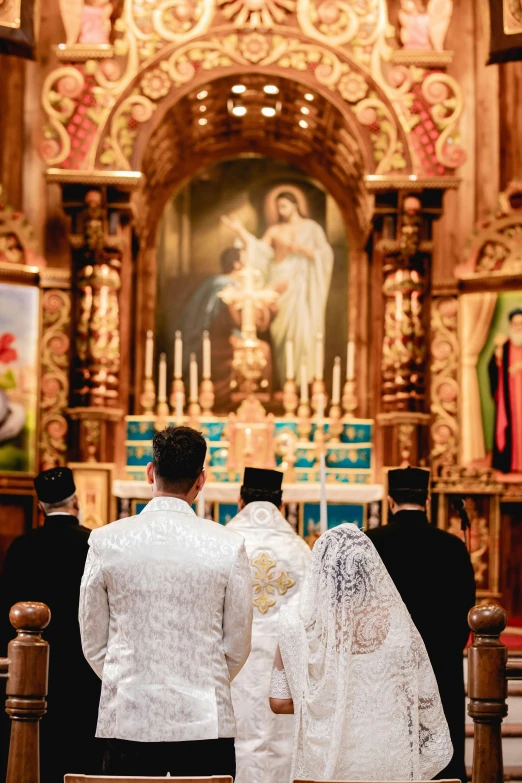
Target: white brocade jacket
x: 165, y: 619
x: 279, y: 560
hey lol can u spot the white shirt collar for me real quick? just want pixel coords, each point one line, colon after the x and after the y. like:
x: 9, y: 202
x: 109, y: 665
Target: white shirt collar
x: 169, y: 504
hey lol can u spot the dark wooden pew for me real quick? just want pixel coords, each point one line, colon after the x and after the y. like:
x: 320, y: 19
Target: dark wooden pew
x: 26, y: 670
x: 488, y: 675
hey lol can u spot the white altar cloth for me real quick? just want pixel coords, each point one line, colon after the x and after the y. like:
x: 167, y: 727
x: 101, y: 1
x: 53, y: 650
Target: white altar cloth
x: 225, y: 492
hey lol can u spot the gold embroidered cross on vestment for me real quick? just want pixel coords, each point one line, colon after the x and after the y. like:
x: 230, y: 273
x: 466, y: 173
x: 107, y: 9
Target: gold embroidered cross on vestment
x: 266, y: 583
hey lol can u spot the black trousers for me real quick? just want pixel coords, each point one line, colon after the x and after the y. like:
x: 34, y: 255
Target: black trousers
x: 201, y: 758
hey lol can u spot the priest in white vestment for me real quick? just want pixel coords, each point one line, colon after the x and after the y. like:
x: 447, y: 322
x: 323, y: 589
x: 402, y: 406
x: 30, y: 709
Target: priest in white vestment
x: 296, y: 259
x: 279, y: 560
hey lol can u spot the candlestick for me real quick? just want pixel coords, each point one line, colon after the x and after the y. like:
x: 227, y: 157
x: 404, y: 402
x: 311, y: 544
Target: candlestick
x: 201, y: 504
x: 290, y: 373
x: 178, y: 356
x: 336, y: 382
x: 304, y: 384
x: 206, y: 356
x: 193, y: 392
x: 319, y: 357
x: 179, y: 407
x: 323, y: 523
x: 162, y: 378
x: 149, y: 355
x: 350, y: 361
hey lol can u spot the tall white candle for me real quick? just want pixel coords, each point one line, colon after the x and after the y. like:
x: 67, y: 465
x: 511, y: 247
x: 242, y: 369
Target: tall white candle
x: 304, y: 383
x: 290, y: 371
x: 178, y: 356
x: 350, y: 361
x: 323, y: 519
x: 206, y: 355
x: 162, y: 379
x: 179, y: 406
x: 193, y: 378
x: 201, y: 504
x: 319, y: 357
x: 336, y: 382
x: 149, y: 355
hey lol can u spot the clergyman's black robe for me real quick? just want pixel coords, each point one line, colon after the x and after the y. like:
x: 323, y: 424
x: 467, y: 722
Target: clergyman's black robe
x: 47, y: 565
x: 433, y: 573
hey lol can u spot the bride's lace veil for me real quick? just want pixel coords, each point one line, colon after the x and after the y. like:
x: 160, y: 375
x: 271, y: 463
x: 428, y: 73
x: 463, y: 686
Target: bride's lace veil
x: 365, y: 697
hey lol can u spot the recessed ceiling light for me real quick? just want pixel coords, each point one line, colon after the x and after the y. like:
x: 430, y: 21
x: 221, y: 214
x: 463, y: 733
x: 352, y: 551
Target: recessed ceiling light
x: 268, y: 111
x: 202, y: 108
x: 309, y: 96
x: 239, y: 111
x: 203, y: 121
x: 237, y: 89
x: 271, y: 89
x: 202, y: 95
x: 305, y: 110
x: 303, y: 123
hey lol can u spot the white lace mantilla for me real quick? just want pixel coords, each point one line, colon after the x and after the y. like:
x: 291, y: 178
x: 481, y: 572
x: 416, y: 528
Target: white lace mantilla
x: 366, y: 701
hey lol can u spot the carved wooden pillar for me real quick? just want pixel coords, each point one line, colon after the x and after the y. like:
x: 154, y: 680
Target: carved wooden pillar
x: 444, y: 393
x: 100, y: 244
x: 404, y: 250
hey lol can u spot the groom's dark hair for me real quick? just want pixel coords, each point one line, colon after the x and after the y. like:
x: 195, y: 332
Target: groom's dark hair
x: 178, y: 457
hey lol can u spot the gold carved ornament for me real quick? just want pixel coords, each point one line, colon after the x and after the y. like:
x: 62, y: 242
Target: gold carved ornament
x: 445, y: 351
x: 54, y: 393
x: 266, y: 583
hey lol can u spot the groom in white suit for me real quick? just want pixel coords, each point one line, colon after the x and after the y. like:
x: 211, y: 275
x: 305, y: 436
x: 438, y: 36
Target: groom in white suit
x: 166, y: 617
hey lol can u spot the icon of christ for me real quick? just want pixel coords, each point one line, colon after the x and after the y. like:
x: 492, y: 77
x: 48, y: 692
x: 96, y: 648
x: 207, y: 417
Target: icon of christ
x: 295, y: 259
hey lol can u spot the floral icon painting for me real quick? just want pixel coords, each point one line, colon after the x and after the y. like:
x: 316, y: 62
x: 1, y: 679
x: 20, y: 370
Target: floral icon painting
x: 19, y: 321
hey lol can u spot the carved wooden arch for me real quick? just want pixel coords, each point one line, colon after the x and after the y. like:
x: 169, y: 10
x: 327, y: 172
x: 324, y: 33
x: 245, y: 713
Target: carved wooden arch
x: 327, y: 149
x: 495, y: 247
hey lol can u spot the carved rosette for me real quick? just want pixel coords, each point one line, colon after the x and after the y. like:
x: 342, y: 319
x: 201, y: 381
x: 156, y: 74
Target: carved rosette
x: 98, y: 335
x: 54, y: 393
x: 444, y: 382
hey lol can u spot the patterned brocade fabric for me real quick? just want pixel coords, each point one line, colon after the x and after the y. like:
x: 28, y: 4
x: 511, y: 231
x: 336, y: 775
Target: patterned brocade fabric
x: 165, y: 619
x: 279, y: 688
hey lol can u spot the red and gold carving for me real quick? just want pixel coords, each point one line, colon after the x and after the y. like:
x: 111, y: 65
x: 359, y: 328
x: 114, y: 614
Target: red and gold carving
x: 54, y: 394
x: 444, y: 382
x: 18, y: 244
x: 98, y: 335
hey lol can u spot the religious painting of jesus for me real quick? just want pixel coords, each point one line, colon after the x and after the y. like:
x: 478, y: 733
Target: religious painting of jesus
x: 274, y: 218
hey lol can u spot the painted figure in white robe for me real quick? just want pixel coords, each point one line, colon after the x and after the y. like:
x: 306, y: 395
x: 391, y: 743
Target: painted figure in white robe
x: 296, y: 259
x: 279, y: 560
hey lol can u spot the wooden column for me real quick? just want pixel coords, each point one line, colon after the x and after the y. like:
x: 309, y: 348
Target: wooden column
x: 28, y: 656
x: 487, y: 690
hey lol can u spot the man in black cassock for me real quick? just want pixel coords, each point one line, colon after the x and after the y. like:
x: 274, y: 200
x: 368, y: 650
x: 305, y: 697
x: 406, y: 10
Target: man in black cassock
x: 433, y: 573
x: 47, y: 565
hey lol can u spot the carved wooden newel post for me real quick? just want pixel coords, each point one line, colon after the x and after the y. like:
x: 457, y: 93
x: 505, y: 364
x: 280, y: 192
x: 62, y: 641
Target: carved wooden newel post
x: 28, y: 664
x: 487, y: 689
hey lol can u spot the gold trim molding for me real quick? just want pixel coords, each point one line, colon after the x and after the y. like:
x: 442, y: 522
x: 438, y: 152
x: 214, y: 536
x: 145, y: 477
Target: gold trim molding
x: 79, y: 53
x: 11, y: 14
x: 129, y: 180
x: 422, y: 58
x: 381, y: 182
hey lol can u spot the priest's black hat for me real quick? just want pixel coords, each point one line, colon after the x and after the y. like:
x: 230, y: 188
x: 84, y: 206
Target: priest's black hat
x: 258, y: 478
x: 408, y: 478
x: 55, y: 485
x: 513, y: 313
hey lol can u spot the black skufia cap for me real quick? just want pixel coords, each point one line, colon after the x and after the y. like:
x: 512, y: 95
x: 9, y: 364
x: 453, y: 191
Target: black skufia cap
x: 55, y: 485
x: 258, y: 478
x: 408, y: 478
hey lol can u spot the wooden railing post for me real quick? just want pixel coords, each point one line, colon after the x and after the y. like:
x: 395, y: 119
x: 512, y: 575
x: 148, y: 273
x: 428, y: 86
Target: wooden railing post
x: 28, y: 656
x: 487, y: 690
